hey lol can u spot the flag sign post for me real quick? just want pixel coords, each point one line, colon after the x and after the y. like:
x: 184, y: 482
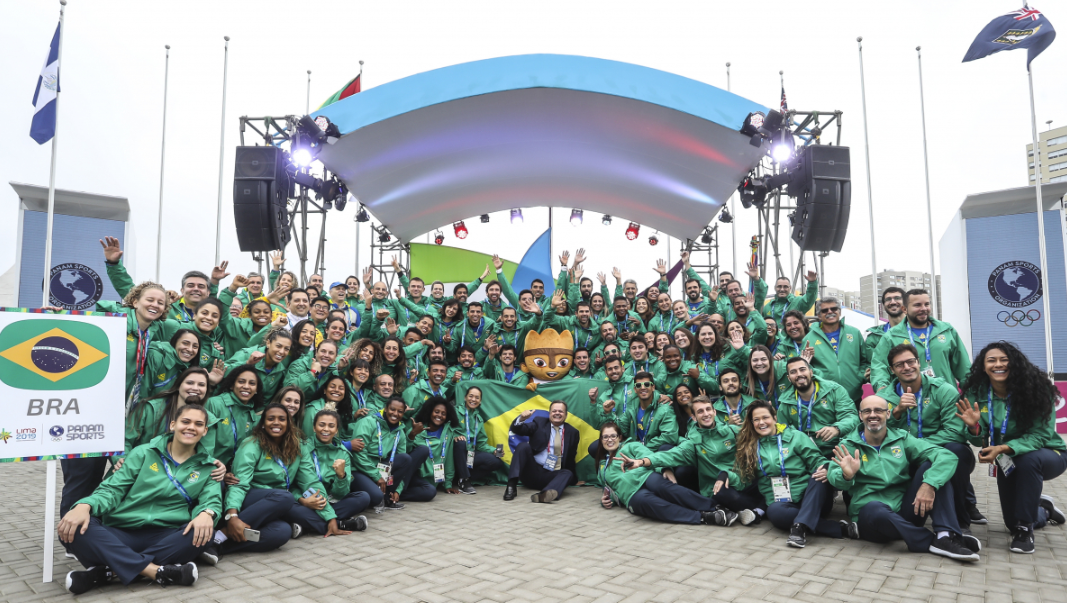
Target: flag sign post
x: 1024, y: 28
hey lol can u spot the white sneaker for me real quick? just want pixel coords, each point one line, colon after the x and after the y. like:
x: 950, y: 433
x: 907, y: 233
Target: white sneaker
x: 297, y: 530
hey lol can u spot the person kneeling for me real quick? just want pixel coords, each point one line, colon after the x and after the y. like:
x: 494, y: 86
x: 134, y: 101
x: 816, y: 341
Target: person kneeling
x: 888, y: 503
x: 170, y: 475
x: 333, y: 468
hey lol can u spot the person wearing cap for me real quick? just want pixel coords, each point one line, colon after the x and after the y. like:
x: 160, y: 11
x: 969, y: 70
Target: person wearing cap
x: 338, y: 292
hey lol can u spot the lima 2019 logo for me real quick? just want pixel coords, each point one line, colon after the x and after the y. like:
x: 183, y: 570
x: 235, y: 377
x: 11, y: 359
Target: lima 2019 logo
x: 1015, y: 284
x: 74, y: 287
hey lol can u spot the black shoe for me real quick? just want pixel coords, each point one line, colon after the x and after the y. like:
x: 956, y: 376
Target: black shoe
x: 1055, y: 516
x: 82, y: 581
x: 180, y: 575
x: 976, y: 515
x: 546, y: 496
x: 713, y: 518
x: 749, y: 517
x: 850, y: 530
x: 211, y: 555
x: 970, y: 541
x: 393, y: 506
x: 798, y: 536
x: 353, y: 524
x: 465, y: 487
x: 1022, y: 541
x: 951, y: 547
x: 510, y: 493
x: 731, y: 517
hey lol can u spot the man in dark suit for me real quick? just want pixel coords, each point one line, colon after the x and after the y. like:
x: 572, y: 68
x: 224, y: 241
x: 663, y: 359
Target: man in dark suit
x: 547, y: 460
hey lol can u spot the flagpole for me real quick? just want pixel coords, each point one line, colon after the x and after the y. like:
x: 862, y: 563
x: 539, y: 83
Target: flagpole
x: 733, y: 207
x: 1041, y: 228
x: 50, y: 469
x: 788, y: 240
x: 162, y: 164
x: 870, y: 202
x: 222, y: 140
x: 307, y: 105
x: 929, y: 213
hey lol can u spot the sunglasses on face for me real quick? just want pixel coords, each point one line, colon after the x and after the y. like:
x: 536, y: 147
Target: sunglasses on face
x: 643, y: 384
x: 829, y: 310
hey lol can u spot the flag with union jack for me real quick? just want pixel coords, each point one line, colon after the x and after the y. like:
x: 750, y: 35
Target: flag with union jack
x: 1024, y: 28
x: 785, y: 105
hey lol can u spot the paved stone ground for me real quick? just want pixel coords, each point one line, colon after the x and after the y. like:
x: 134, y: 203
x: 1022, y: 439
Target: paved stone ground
x: 479, y: 548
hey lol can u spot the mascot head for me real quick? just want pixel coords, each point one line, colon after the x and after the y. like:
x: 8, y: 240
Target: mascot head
x: 548, y: 355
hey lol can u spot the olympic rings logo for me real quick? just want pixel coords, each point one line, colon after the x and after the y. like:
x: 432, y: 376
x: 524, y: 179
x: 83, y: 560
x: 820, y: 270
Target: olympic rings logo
x: 1018, y: 318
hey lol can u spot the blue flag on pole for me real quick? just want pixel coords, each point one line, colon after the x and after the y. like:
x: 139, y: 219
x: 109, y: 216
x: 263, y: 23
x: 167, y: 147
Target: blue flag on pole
x: 1025, y: 28
x: 43, y: 127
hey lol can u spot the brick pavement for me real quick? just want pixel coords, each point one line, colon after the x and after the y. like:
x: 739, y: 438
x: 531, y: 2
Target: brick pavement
x: 481, y: 549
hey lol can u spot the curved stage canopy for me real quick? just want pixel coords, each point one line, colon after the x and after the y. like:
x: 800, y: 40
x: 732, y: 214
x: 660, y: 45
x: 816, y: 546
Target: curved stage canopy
x: 542, y: 130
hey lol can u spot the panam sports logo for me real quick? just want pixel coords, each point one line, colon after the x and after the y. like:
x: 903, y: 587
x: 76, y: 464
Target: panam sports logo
x: 53, y: 355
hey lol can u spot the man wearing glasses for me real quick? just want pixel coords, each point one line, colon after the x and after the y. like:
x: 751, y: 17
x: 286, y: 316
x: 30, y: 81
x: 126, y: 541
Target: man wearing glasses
x: 925, y: 407
x: 649, y: 422
x: 818, y: 407
x: 840, y: 354
x: 889, y: 502
x: 893, y: 304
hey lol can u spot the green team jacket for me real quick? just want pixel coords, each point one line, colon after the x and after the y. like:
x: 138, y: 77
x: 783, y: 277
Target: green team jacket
x: 660, y: 430
x: 665, y: 322
x: 237, y: 331
x: 494, y: 371
x: 940, y: 425
x: 235, y: 421
x: 255, y: 468
x: 651, y: 365
x: 757, y: 327
x: 299, y: 374
x: 725, y: 305
x: 848, y: 365
x: 321, y: 458
x: 270, y: 380
x: 148, y: 423
x: 140, y: 495
x: 380, y: 442
x: 831, y: 407
x: 418, y: 393
x: 624, y: 483
x: 465, y: 374
x: 874, y: 337
x: 661, y: 284
x: 721, y: 407
x: 802, y: 458
x: 574, y: 295
x: 161, y: 368
x: 706, y: 305
x: 708, y: 370
x: 948, y: 355
x: 428, y: 302
x: 472, y: 427
x: 777, y: 307
x: 768, y: 391
x: 587, y: 337
x: 516, y: 337
x: 466, y: 335
x: 1039, y: 435
x: 885, y: 472
x: 711, y: 450
x: 632, y: 324
x: 672, y: 379
x: 440, y: 452
x: 513, y: 297
x: 621, y: 391
x: 346, y: 429
x: 722, y: 304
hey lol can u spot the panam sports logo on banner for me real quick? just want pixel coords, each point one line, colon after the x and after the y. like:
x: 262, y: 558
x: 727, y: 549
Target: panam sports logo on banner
x: 62, y: 376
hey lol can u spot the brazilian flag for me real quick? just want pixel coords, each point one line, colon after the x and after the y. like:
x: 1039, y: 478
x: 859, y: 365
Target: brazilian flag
x: 53, y: 354
x: 502, y: 403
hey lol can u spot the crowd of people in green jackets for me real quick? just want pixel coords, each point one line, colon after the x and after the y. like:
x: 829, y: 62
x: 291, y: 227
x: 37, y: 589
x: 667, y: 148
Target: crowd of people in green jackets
x: 258, y: 410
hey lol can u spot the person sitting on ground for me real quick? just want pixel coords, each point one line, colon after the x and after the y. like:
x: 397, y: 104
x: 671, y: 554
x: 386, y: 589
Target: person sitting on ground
x: 546, y: 461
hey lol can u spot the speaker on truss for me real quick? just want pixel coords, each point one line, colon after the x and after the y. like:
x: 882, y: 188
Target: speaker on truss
x: 821, y: 218
x: 260, y: 192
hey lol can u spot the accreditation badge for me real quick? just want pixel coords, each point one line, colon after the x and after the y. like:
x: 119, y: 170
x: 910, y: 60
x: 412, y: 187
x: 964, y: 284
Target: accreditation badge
x: 470, y: 459
x: 551, y: 463
x: 929, y: 371
x: 780, y: 485
x: 439, y: 472
x: 387, y: 473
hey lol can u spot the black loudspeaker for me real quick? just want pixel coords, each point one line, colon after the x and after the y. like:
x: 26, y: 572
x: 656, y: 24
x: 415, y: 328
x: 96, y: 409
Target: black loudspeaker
x: 260, y: 191
x: 824, y: 198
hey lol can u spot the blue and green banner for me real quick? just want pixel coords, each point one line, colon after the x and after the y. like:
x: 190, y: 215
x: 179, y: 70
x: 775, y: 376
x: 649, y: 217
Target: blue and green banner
x: 502, y: 403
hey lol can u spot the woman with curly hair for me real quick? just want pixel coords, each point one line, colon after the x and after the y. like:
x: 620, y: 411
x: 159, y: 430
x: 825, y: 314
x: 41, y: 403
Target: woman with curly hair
x: 368, y: 350
x: 1009, y: 407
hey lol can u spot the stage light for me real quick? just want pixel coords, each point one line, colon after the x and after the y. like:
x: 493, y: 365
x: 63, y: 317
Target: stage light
x: 576, y: 217
x: 302, y: 157
x: 461, y: 229
x: 753, y: 192
x: 309, y: 127
x: 606, y: 220
x: 705, y: 238
x: 439, y: 237
x: 322, y: 122
x: 632, y: 230
x: 485, y: 218
x: 516, y: 216
x: 654, y: 239
x: 383, y: 233
x: 361, y: 215
x: 781, y: 153
x: 724, y: 217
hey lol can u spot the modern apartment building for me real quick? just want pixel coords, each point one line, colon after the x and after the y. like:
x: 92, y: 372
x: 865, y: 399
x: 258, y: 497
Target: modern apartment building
x: 905, y: 279
x: 1052, y: 146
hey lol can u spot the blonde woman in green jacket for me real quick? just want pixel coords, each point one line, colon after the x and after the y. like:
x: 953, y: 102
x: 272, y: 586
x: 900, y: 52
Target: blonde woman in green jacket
x: 333, y: 468
x: 628, y: 482
x: 153, y: 517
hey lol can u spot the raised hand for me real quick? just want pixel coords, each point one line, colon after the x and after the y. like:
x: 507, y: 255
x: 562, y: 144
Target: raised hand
x: 278, y: 294
x: 526, y: 414
x: 339, y: 467
x: 280, y: 322
x: 752, y: 271
x: 112, y: 250
x: 277, y: 259
x: 238, y: 281
x: 218, y: 371
x: 367, y: 274
x: 811, y: 276
x: 578, y: 272
x: 808, y: 353
x: 485, y: 272
x: 497, y: 262
x: 661, y: 267
x: 390, y: 325
x: 219, y: 272
x: 603, y: 278
x: 608, y: 406
x: 382, y: 314
x: 564, y: 258
x: 396, y: 266
x: 850, y: 464
x: 579, y: 257
x: 255, y: 357
x: 592, y: 394
x: 685, y: 259
x: 737, y: 340
x: 750, y: 303
x: 970, y: 414
x: 397, y: 292
x: 617, y: 274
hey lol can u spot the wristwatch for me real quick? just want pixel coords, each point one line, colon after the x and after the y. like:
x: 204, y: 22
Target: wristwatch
x: 230, y: 516
x: 211, y: 513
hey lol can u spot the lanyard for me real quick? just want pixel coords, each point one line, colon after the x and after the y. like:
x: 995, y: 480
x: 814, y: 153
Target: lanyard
x: 740, y: 405
x: 863, y: 436
x: 233, y: 426
x: 811, y: 404
x: 381, y: 452
x: 166, y: 467
x: 796, y: 346
x: 144, y: 338
x: 928, y: 332
x: 467, y: 426
x: 444, y: 444
x: 508, y: 376
x: 477, y: 334
x: 359, y: 398
x: 918, y: 405
x: 603, y: 473
x: 315, y: 460
x: 646, y: 419
x: 785, y: 308
x: 186, y: 316
x: 634, y: 365
x: 707, y: 358
x: 285, y: 469
x: 781, y: 457
x: 625, y: 388
x: 1007, y: 413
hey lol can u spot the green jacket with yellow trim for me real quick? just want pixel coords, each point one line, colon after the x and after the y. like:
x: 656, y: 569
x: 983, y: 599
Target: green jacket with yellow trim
x: 256, y: 468
x: 1041, y: 434
x: 624, y: 483
x: 802, y: 458
x: 710, y: 449
x: 848, y: 366
x: 948, y: 355
x: 236, y: 420
x: 940, y: 425
x: 777, y: 307
x: 831, y: 406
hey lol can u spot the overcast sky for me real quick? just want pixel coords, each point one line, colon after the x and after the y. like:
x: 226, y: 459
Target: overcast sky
x: 978, y: 115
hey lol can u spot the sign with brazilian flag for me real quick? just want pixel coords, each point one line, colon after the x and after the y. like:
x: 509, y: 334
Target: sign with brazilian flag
x: 502, y: 403
x: 62, y: 384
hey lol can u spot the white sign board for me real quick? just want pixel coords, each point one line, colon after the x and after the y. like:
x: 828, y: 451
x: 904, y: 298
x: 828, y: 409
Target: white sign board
x: 62, y: 384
